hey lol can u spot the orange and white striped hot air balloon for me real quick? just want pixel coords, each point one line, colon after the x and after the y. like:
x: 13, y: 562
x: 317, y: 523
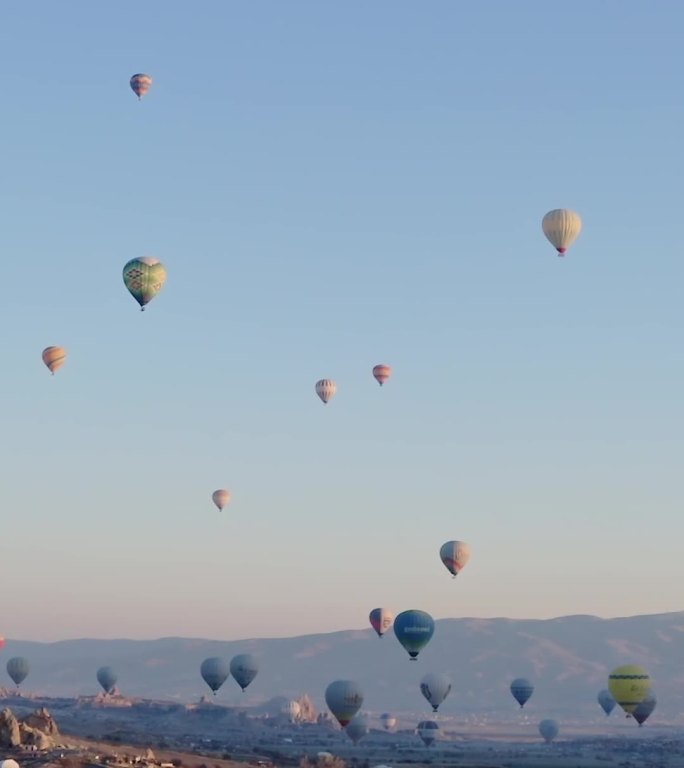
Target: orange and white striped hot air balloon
x: 382, y: 373
x: 325, y: 389
x: 54, y: 358
x: 141, y: 84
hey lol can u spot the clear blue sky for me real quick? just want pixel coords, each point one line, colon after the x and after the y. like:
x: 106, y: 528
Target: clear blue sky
x: 333, y: 185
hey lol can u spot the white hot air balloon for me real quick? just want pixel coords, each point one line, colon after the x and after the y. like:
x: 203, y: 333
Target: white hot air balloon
x: 325, y: 389
x: 221, y: 498
x: 561, y: 227
x: 435, y: 688
x: 455, y: 556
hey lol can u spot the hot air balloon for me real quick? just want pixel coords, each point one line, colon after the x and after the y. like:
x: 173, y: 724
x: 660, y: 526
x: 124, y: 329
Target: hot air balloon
x: 325, y: 389
x: 455, y: 556
x: 561, y: 227
x: 435, y: 688
x: 382, y: 373
x: 629, y: 684
x: 413, y: 630
x: 381, y: 620
x: 107, y: 678
x: 548, y: 730
x: 221, y: 498
x: 141, y: 84
x: 18, y: 668
x: 606, y: 700
x: 344, y: 699
x: 2, y: 642
x: 244, y: 668
x: 428, y: 731
x: 215, y: 672
x: 522, y: 689
x: 357, y: 728
x: 54, y: 358
x: 144, y: 278
x: 388, y: 721
x: 644, y: 708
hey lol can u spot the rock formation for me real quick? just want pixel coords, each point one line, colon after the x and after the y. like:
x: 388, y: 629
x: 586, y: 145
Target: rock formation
x: 37, y: 730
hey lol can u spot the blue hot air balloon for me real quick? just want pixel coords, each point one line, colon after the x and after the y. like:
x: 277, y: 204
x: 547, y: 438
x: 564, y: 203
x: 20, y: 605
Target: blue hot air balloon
x: 413, y: 630
x: 522, y: 689
x: 18, y: 669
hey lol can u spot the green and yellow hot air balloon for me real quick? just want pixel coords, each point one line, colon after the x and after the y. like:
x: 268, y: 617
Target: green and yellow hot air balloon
x: 629, y: 685
x: 144, y: 278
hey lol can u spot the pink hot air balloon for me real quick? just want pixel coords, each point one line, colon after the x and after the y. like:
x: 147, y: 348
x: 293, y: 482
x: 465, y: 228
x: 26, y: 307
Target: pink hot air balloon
x: 382, y: 373
x: 141, y: 84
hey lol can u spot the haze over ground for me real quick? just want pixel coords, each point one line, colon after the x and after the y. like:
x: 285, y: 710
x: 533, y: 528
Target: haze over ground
x: 332, y: 186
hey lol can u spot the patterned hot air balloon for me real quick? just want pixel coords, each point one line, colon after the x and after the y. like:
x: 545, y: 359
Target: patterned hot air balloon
x: 144, y: 278
x: 428, y: 731
x: 221, y: 498
x: 435, y: 688
x: 413, y: 630
x: 18, y: 669
x: 522, y: 689
x: 54, y: 358
x: 382, y: 373
x: 214, y: 672
x: 140, y: 84
x: 381, y: 620
x: 455, y: 556
x: 344, y: 699
x: 629, y: 685
x: 325, y: 389
x: 561, y: 227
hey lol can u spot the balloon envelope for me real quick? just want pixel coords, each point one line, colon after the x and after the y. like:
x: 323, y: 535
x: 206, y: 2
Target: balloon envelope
x: 628, y: 685
x: 18, y: 669
x: 244, y: 668
x: 522, y: 689
x: 428, y: 731
x: 54, y: 358
x: 215, y: 672
x: 107, y: 678
x: 548, y: 730
x: 221, y: 498
x: 381, y: 373
x: 357, y: 728
x: 144, y: 278
x: 606, y: 700
x: 388, y: 721
x: 344, y: 699
x: 413, y: 630
x: 381, y: 620
x: 455, y: 556
x: 435, y: 688
x: 561, y: 227
x: 141, y: 84
x: 325, y: 389
x: 645, y: 708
